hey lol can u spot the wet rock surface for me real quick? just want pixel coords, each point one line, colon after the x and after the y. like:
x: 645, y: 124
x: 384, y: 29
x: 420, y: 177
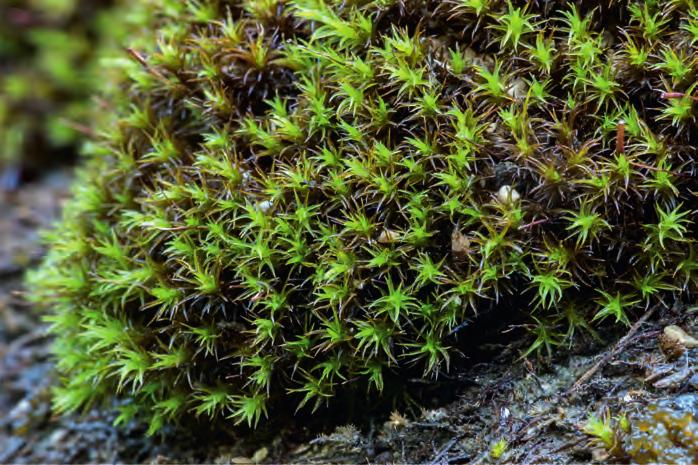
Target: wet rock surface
x: 506, y: 409
x: 666, y: 432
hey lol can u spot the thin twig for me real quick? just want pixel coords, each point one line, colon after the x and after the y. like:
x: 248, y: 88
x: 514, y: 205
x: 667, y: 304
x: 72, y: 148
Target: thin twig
x: 620, y: 137
x: 654, y: 168
x: 672, y: 95
x: 570, y: 445
x: 81, y: 128
x: 534, y: 223
x: 609, y: 356
x: 445, y: 449
x: 143, y: 62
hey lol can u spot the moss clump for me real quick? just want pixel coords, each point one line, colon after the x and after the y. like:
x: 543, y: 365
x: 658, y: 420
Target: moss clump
x: 298, y: 198
x: 50, y: 65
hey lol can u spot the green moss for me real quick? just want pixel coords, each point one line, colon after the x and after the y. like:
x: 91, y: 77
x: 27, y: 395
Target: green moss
x: 293, y: 199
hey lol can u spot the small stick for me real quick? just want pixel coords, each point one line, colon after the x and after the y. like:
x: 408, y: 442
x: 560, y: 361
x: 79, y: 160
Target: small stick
x: 137, y: 56
x: 606, y: 358
x: 534, y: 223
x: 140, y: 59
x: 81, y: 128
x: 620, y: 137
x: 670, y: 95
x: 445, y: 450
x: 654, y: 168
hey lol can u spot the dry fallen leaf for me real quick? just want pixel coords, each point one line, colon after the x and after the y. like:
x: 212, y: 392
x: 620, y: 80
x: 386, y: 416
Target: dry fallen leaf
x: 680, y: 336
x: 674, y: 341
x: 260, y: 455
x: 460, y: 245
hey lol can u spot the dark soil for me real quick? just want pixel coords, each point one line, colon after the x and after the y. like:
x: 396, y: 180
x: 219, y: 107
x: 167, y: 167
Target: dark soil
x: 537, y: 407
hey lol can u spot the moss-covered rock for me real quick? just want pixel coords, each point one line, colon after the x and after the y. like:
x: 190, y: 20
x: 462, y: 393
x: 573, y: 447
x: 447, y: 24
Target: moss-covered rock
x: 299, y: 198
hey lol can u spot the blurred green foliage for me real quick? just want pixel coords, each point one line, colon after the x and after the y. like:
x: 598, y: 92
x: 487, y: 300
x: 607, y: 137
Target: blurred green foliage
x: 51, y: 63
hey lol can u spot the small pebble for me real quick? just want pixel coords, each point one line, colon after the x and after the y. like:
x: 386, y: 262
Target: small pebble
x: 508, y: 195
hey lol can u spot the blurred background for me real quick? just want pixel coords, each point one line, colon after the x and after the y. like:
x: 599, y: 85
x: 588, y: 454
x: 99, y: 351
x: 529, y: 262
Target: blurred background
x: 53, y: 60
x: 52, y: 56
